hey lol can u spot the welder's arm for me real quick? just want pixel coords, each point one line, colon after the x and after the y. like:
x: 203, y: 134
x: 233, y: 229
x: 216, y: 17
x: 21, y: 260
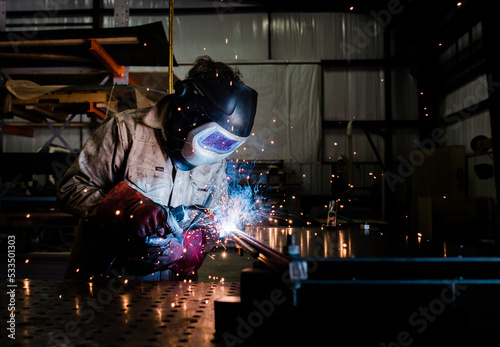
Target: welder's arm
x: 126, y: 208
x: 96, y: 170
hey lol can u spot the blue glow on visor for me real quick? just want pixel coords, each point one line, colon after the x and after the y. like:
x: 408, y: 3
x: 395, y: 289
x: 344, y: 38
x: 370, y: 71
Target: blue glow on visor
x: 218, y: 143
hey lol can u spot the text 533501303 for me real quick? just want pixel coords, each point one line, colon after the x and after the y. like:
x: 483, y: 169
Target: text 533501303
x: 11, y: 286
x: 11, y: 259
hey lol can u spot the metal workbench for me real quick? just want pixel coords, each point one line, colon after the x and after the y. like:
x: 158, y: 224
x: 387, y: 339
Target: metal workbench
x: 363, y: 288
x: 114, y: 313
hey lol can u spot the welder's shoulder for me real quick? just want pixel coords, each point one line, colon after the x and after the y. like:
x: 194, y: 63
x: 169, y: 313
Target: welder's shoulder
x: 131, y: 117
x: 127, y: 122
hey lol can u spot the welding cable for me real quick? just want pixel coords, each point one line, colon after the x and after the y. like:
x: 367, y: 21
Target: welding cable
x: 108, y: 270
x: 109, y: 101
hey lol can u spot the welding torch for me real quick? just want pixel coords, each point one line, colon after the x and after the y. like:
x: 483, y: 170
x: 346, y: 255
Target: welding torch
x: 272, y: 258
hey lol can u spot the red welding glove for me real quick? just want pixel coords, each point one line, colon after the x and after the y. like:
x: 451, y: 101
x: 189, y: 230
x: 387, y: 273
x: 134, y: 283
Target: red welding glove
x: 154, y: 254
x: 198, y: 241
x: 193, y: 253
x: 124, y: 207
x: 182, y: 251
x: 184, y: 256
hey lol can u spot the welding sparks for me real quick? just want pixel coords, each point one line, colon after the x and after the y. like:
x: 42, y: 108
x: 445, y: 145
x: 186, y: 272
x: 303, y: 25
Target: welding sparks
x: 241, y: 208
x: 244, y: 205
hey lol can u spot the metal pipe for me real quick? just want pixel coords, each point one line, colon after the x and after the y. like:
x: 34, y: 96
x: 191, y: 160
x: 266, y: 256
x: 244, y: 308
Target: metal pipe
x: 350, y: 155
x: 171, y: 47
x: 262, y: 252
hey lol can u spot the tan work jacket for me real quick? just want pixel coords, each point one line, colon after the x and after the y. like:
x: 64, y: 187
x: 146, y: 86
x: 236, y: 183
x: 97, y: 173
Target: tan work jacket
x: 129, y: 146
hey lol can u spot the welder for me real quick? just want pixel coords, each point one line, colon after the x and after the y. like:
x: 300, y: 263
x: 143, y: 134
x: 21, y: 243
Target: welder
x: 146, y: 179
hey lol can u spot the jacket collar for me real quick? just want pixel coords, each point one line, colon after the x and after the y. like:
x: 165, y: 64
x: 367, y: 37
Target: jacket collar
x: 155, y: 117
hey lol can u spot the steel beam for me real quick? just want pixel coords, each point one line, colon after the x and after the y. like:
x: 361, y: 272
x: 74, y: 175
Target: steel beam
x: 103, y: 56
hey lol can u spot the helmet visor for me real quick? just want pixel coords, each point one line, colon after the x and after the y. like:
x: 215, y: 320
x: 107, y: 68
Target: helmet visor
x: 218, y: 142
x: 210, y: 143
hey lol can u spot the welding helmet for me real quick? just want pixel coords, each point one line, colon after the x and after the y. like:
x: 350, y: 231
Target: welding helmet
x: 210, y: 119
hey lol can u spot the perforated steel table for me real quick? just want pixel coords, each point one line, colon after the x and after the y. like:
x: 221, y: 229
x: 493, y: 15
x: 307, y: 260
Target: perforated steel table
x: 115, y: 313
x: 361, y: 287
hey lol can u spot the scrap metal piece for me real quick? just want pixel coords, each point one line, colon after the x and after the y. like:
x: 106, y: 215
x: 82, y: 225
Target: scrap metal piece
x: 298, y: 270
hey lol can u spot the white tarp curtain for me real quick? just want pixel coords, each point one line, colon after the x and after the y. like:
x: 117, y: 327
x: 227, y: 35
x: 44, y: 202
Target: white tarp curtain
x: 288, y: 120
x: 325, y: 36
x: 289, y: 36
x: 354, y: 94
x: 224, y: 37
x: 359, y: 92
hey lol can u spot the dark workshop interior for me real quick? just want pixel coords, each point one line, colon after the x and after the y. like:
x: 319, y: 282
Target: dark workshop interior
x: 361, y: 209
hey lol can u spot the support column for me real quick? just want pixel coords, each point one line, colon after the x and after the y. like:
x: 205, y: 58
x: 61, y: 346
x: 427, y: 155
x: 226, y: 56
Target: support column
x: 3, y: 16
x: 387, y: 195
